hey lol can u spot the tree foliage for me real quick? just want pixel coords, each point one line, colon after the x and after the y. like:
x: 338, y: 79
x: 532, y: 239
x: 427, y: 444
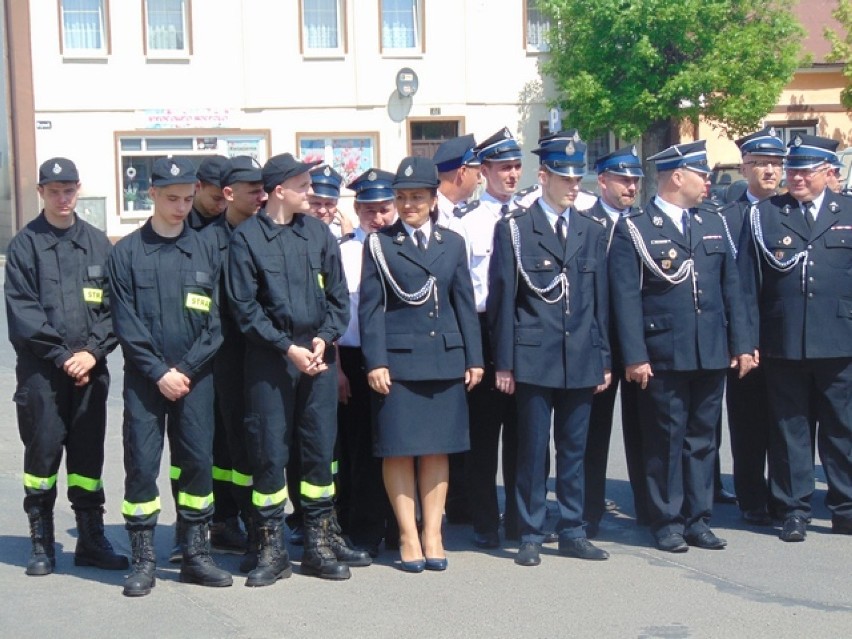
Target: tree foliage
x: 629, y: 66
x: 841, y: 48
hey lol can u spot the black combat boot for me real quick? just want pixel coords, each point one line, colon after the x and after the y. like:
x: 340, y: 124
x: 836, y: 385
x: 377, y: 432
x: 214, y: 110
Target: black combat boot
x: 273, y: 562
x: 42, y: 559
x: 341, y: 547
x: 249, y: 560
x: 197, y: 566
x: 227, y: 536
x: 141, y: 578
x: 93, y: 548
x: 318, y: 559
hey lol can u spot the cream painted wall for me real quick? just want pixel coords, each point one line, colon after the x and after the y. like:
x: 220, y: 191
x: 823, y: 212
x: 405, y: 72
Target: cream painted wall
x: 246, y: 59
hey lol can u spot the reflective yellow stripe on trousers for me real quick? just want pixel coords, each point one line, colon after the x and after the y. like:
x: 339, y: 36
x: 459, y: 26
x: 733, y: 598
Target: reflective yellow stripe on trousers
x: 90, y: 484
x: 316, y: 492
x: 129, y: 509
x: 261, y: 500
x: 39, y: 483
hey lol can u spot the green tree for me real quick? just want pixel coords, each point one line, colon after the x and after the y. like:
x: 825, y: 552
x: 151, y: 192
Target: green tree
x: 640, y: 67
x: 841, y: 48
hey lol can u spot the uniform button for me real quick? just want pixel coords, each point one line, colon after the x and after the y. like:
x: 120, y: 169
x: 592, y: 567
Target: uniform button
x: 810, y: 294
x: 810, y: 263
x: 698, y: 311
x: 700, y: 292
x: 431, y: 333
x: 810, y: 279
x: 567, y: 333
x: 652, y: 325
x: 431, y: 314
x: 810, y: 246
x: 564, y: 270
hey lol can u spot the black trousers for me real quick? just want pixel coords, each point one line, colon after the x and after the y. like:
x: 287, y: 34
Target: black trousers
x: 678, y: 412
x: 54, y: 414
x: 232, y: 474
x: 597, y: 449
x: 749, y: 425
x: 190, y: 430
x: 568, y: 410
x: 285, y: 406
x: 491, y: 412
x: 800, y: 390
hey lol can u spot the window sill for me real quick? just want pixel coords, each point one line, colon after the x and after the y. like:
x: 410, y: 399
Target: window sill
x: 85, y: 57
x: 171, y: 57
x: 403, y: 54
x: 319, y: 54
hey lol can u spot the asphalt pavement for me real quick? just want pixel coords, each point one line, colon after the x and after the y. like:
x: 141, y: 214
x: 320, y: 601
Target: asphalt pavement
x: 757, y: 587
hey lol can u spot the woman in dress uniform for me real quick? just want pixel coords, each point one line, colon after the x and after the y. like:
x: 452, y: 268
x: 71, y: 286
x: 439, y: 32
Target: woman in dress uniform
x: 421, y: 343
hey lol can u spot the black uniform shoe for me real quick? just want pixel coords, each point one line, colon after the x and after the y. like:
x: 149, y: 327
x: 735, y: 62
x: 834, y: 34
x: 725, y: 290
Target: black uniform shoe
x: 141, y: 578
x: 227, y: 536
x: 794, y: 529
x: 197, y: 566
x: 93, y: 548
x: 673, y: 542
x: 757, y: 517
x: 722, y: 496
x: 581, y: 548
x: 42, y: 559
x: 841, y: 527
x: 273, y: 562
x: 706, y: 540
x: 318, y: 559
x: 550, y: 537
x: 486, y: 540
x: 529, y: 554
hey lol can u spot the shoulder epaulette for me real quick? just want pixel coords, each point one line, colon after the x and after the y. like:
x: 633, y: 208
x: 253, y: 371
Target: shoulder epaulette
x: 463, y: 208
x: 345, y: 238
x: 590, y: 214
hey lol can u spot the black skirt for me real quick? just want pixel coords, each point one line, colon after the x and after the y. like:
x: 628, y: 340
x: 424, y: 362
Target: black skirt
x: 420, y: 418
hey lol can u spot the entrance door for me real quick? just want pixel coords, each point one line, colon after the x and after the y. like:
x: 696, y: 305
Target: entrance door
x: 426, y: 135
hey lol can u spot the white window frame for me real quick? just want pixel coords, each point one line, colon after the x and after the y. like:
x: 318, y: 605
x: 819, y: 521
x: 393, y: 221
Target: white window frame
x: 147, y: 145
x: 168, y: 53
x: 418, y: 48
x: 535, y: 32
x: 788, y: 130
x: 340, y: 25
x: 68, y: 49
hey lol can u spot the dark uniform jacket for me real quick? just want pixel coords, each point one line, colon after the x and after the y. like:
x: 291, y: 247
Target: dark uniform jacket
x: 164, y: 302
x: 57, y: 300
x: 285, y: 282
x: 735, y: 214
x: 552, y: 345
x: 437, y: 340
x: 803, y: 315
x: 677, y: 327
x: 198, y: 222
x: 218, y: 233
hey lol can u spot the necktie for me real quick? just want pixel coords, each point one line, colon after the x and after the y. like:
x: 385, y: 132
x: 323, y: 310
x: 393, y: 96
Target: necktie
x: 807, y: 207
x: 457, y: 212
x: 684, y: 224
x: 504, y: 210
x: 562, y: 231
x: 420, y: 239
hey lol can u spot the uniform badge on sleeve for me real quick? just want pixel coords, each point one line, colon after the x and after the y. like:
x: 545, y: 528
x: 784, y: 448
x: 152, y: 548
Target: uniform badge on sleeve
x: 196, y: 302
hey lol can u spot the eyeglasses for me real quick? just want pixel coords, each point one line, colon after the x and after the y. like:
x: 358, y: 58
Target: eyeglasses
x: 807, y: 173
x: 765, y: 164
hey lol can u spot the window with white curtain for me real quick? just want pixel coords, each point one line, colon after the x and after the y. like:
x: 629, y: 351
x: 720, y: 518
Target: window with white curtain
x: 402, y: 23
x: 83, y: 26
x: 322, y: 26
x: 537, y: 27
x: 166, y: 24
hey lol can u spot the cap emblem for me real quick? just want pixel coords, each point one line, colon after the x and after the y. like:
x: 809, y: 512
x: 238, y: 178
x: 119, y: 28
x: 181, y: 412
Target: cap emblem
x: 372, y: 177
x: 797, y: 141
x: 175, y: 170
x: 506, y: 133
x: 409, y: 171
x: 327, y: 172
x: 634, y: 151
x: 56, y: 168
x: 569, y: 148
x: 773, y: 132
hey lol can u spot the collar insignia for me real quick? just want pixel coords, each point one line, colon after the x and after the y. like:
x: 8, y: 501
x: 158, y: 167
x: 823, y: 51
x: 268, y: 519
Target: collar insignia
x: 698, y: 219
x: 657, y: 221
x: 400, y: 238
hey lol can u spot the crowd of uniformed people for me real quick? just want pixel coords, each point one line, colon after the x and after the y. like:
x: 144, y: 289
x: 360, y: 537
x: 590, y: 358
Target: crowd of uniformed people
x: 368, y: 373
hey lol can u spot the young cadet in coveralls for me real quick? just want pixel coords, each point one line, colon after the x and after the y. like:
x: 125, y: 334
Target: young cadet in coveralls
x: 242, y: 188
x: 547, y: 315
x: 748, y: 408
x: 57, y: 307
x: 678, y: 308
x: 619, y: 173
x: 163, y: 280
x: 288, y: 294
x: 208, y: 203
x: 421, y: 343
x: 368, y: 518
x: 492, y: 414
x: 796, y: 260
